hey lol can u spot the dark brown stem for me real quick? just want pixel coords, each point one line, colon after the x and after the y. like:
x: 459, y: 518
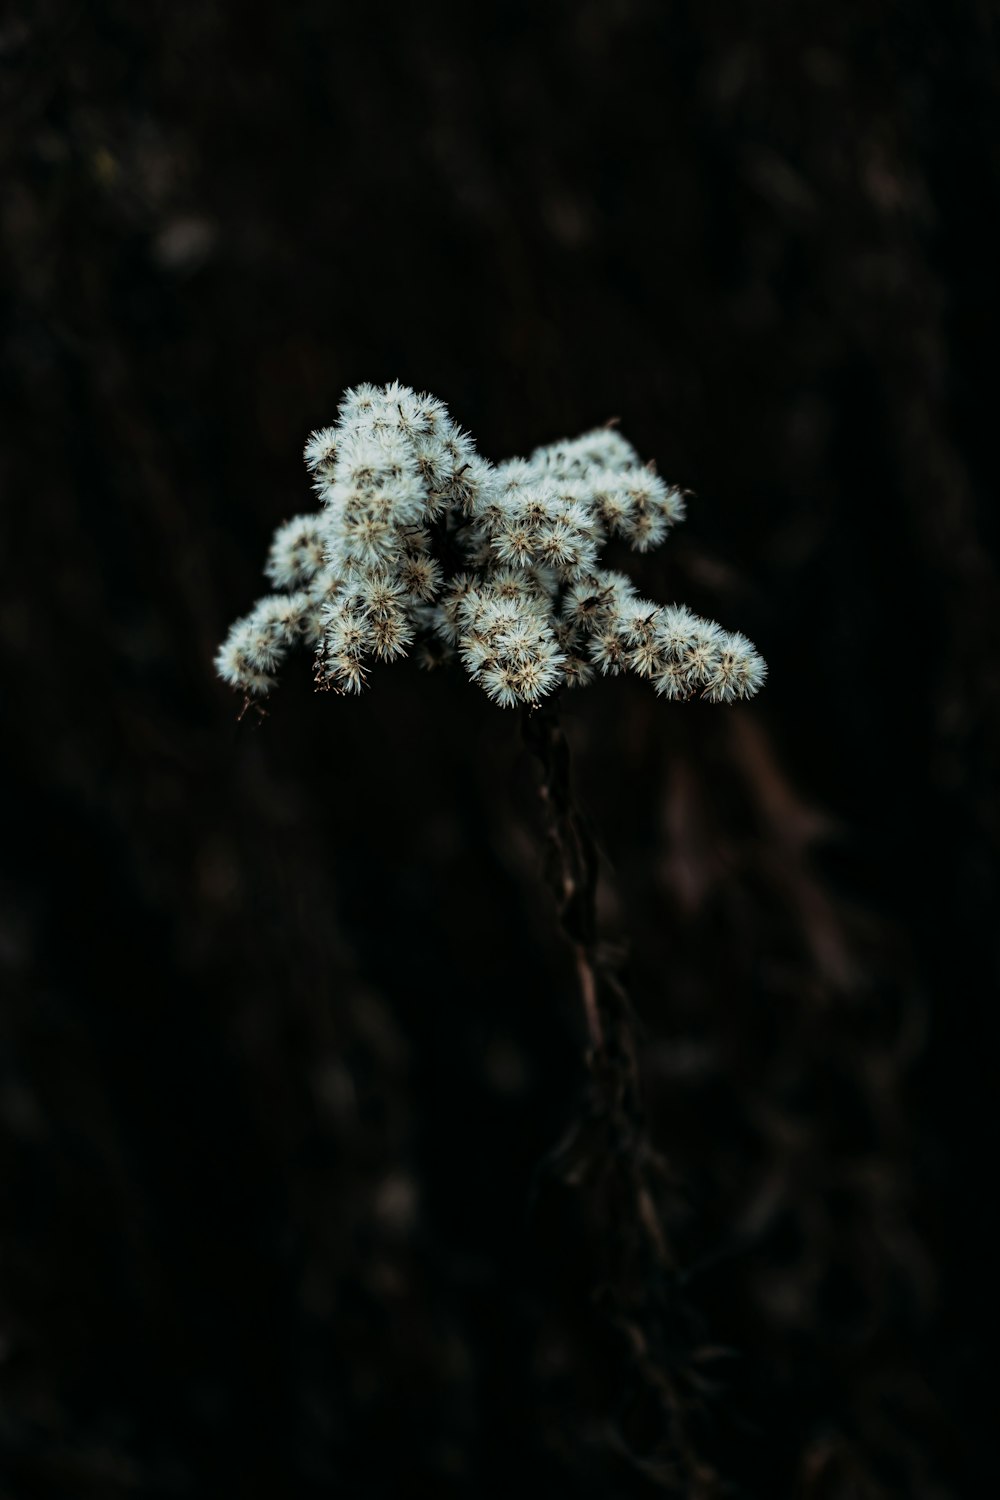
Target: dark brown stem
x: 611, y: 1149
x: 572, y: 871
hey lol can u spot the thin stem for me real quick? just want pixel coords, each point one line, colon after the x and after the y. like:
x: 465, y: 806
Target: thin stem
x: 572, y: 870
x: 645, y: 1301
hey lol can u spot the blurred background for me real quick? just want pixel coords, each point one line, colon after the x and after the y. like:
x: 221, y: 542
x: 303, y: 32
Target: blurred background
x: 287, y: 1033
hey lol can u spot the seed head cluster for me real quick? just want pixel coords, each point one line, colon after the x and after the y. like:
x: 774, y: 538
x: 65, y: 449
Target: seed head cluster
x: 420, y: 545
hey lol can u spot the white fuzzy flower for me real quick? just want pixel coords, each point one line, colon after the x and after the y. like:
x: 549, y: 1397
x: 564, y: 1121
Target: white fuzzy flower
x: 604, y: 448
x: 701, y: 656
x: 297, y: 552
x: 538, y: 674
x: 420, y: 542
x: 672, y: 681
x: 675, y: 627
x: 237, y: 661
x: 321, y: 456
x: 609, y: 652
x: 738, y: 671
x: 420, y: 576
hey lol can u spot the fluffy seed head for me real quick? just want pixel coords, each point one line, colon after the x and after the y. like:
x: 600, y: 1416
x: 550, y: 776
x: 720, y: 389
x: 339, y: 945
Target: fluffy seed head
x: 421, y: 543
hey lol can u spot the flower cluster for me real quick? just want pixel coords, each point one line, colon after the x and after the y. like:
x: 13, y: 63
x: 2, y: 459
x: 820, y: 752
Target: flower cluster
x: 419, y: 543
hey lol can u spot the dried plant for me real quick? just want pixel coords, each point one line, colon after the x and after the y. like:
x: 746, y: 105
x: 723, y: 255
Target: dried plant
x: 421, y: 543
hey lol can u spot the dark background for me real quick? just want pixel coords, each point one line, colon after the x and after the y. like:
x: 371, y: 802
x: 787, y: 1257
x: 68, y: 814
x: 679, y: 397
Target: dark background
x: 286, y: 1025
